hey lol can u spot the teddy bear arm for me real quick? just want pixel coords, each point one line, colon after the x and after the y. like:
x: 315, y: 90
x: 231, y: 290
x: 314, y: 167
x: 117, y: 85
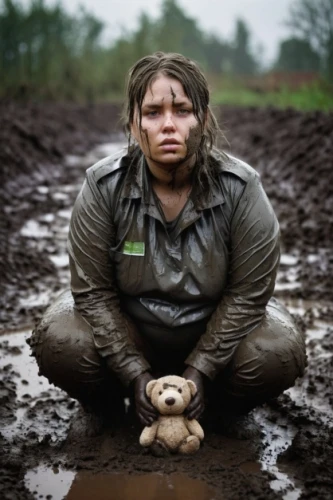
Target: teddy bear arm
x: 148, y: 434
x: 195, y: 428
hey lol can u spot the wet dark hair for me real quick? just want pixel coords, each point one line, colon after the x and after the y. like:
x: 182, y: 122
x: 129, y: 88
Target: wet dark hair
x: 143, y: 74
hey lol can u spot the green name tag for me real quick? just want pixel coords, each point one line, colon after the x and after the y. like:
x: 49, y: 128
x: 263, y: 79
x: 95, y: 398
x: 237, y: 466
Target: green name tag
x: 134, y: 248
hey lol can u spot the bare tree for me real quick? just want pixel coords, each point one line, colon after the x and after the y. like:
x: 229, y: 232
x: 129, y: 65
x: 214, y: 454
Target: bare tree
x: 313, y: 20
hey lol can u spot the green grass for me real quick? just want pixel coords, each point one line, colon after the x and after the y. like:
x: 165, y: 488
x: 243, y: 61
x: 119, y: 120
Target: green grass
x: 316, y: 97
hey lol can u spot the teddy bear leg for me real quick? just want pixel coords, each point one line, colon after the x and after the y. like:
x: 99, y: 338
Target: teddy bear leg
x: 190, y: 445
x: 158, y: 449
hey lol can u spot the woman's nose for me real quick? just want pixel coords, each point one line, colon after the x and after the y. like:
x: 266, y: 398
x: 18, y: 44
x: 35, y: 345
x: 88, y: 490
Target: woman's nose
x: 168, y: 123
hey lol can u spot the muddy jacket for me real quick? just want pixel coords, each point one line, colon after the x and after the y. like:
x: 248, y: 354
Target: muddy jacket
x: 202, y: 281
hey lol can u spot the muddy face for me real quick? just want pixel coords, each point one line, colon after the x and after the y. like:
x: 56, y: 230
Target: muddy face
x: 194, y: 140
x: 168, y: 134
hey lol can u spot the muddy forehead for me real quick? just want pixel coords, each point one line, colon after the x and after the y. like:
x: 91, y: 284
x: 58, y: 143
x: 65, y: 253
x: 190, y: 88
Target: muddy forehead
x: 181, y: 96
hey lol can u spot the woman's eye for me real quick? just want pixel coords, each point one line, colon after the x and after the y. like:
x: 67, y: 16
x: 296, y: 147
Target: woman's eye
x: 183, y: 111
x: 152, y: 114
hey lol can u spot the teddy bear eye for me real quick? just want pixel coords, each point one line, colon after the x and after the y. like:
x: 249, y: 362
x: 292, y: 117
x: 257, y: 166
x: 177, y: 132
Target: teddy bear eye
x: 160, y: 392
x: 179, y: 390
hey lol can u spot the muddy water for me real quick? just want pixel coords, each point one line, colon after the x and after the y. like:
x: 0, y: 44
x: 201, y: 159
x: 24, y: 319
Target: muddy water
x: 48, y: 232
x: 87, y: 486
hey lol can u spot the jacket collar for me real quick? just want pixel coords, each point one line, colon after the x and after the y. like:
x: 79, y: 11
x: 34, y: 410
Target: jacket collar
x: 138, y: 185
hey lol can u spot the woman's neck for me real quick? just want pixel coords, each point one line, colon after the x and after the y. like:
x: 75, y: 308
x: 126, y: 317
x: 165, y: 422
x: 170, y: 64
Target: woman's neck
x: 173, y: 177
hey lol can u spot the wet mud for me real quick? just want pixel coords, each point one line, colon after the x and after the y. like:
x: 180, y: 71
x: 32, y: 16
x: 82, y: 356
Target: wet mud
x: 45, y: 450
x: 293, y: 153
x: 38, y: 145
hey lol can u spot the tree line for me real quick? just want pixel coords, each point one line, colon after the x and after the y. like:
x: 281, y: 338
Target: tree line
x: 46, y: 52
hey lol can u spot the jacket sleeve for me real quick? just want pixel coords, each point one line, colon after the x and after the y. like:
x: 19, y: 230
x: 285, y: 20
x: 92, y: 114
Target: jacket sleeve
x: 253, y: 262
x: 93, y: 285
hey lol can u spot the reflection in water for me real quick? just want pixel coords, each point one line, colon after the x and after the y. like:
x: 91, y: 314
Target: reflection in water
x: 29, y: 389
x: 279, y: 437
x: 49, y: 481
x: 88, y: 486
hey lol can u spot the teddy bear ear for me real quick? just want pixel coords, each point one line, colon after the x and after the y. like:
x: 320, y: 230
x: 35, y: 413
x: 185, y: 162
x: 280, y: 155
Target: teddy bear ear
x: 192, y: 386
x: 149, y: 387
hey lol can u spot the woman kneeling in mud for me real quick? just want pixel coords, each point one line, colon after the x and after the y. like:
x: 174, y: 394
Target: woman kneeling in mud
x: 174, y: 249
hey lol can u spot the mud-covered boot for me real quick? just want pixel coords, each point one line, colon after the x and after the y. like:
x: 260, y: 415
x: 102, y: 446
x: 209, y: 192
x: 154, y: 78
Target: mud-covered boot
x: 93, y: 420
x: 85, y: 423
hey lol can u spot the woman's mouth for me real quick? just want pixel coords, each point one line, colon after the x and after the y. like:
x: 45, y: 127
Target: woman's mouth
x: 169, y: 145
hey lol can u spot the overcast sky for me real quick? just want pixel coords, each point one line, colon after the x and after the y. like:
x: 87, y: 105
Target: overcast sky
x: 264, y: 17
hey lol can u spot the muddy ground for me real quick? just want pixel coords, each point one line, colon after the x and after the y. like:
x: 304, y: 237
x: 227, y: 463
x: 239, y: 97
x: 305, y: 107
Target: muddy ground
x: 44, y: 150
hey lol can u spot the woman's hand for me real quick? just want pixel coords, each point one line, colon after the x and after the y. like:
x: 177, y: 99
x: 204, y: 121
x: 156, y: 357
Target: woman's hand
x: 144, y: 409
x: 197, y: 404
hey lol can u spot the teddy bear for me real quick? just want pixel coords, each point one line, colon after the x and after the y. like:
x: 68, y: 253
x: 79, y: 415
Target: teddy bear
x: 170, y: 395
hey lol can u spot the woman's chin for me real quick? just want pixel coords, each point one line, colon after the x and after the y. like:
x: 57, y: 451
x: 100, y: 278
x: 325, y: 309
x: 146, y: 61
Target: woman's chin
x: 170, y: 160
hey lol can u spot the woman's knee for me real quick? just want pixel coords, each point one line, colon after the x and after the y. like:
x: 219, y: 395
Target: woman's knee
x: 271, y: 357
x: 63, y: 346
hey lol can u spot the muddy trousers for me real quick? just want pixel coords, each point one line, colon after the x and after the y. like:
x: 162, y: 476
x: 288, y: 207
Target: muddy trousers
x: 266, y: 362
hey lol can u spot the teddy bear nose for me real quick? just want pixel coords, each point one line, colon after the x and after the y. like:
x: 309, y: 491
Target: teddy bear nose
x: 170, y: 401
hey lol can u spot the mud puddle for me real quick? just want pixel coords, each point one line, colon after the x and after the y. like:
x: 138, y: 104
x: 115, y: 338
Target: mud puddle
x: 30, y: 392
x: 85, y: 486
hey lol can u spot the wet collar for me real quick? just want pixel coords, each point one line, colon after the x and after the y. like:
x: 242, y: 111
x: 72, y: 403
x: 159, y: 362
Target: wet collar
x: 138, y: 185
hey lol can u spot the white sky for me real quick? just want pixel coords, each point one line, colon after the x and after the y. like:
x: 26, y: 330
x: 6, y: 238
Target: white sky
x: 264, y: 17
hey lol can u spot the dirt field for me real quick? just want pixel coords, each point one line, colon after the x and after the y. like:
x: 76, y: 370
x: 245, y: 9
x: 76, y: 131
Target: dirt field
x: 44, y: 150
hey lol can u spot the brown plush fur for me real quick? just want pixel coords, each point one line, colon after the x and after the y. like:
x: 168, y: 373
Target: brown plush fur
x: 173, y: 431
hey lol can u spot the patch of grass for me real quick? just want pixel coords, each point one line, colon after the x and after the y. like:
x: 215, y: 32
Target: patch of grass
x: 308, y: 98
